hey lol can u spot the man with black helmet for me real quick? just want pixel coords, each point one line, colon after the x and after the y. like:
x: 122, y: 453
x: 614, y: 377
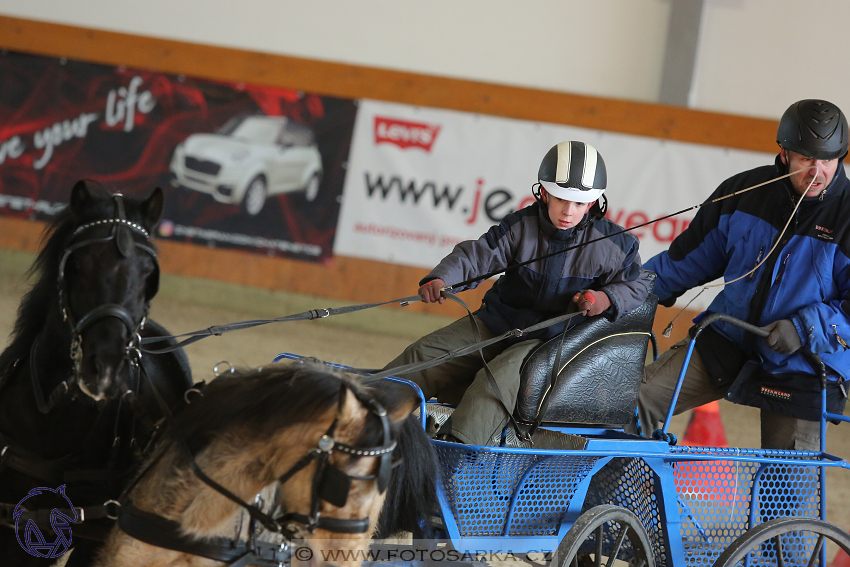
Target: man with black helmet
x: 799, y: 292
x: 602, y: 278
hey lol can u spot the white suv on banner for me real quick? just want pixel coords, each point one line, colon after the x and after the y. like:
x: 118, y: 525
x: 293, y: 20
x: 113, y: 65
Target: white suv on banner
x: 250, y: 159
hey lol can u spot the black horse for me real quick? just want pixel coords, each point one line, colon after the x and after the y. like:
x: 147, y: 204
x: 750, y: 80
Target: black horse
x: 76, y: 401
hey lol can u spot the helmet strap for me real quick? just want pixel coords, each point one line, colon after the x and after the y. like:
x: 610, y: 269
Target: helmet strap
x: 599, y: 208
x: 536, y: 191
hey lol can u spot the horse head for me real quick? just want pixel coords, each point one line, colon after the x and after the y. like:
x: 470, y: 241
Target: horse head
x: 352, y: 485
x: 107, y: 276
x: 324, y: 441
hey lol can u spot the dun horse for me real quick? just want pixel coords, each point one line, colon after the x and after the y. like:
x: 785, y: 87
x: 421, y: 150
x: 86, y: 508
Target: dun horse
x: 322, y: 440
x: 75, y: 406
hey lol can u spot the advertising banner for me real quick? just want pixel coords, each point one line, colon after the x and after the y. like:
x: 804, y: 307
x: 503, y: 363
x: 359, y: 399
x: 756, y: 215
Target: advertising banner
x: 420, y: 180
x: 241, y: 165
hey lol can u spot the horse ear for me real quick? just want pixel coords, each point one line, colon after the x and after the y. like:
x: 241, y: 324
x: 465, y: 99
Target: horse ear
x: 152, y: 207
x: 399, y: 399
x: 401, y: 411
x: 80, y: 196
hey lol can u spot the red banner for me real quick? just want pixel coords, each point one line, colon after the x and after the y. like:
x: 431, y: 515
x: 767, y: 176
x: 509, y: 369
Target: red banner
x: 241, y: 165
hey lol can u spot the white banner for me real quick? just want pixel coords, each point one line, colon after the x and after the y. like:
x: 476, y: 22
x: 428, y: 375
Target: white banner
x: 420, y: 180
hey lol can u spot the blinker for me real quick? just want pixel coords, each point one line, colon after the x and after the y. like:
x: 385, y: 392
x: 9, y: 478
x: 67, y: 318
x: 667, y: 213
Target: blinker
x: 335, y: 486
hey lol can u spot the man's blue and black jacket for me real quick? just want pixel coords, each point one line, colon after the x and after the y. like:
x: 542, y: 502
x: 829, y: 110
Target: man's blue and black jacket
x: 805, y: 279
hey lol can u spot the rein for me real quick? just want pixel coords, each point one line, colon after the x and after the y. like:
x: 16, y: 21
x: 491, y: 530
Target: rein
x: 218, y: 330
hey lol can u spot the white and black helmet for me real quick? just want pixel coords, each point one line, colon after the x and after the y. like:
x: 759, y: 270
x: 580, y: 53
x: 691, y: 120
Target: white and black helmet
x: 573, y: 171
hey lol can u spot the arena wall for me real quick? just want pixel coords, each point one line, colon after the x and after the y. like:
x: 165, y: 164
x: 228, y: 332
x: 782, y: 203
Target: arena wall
x: 351, y: 279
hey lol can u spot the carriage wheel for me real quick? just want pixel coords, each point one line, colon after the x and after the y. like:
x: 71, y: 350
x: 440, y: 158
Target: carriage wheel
x: 600, y: 535
x: 783, y: 541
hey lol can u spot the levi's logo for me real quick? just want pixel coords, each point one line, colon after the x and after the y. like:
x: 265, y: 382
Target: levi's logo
x: 405, y: 134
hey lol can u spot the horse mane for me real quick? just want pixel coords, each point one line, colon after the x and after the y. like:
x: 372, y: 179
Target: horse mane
x: 43, y: 296
x: 265, y: 400
x: 412, y: 493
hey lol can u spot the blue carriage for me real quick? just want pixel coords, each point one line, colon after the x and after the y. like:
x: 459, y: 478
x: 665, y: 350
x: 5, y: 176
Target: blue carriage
x: 587, y: 493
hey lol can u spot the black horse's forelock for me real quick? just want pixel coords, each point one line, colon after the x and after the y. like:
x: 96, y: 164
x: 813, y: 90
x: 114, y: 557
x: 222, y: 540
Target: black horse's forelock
x: 43, y: 295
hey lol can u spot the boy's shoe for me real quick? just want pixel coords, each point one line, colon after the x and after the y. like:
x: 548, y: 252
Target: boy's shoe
x: 447, y: 437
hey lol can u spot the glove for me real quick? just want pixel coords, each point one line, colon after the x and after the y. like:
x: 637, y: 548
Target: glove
x: 430, y: 291
x: 783, y: 337
x: 594, y: 302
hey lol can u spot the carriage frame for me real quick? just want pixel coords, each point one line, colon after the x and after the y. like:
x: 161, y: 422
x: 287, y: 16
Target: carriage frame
x: 596, y: 494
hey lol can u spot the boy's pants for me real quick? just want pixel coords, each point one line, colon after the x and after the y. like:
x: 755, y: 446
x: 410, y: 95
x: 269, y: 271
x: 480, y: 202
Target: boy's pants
x: 778, y: 431
x: 462, y: 381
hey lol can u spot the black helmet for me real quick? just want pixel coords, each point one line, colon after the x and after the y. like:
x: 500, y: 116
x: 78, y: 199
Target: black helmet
x: 573, y: 171
x: 814, y: 128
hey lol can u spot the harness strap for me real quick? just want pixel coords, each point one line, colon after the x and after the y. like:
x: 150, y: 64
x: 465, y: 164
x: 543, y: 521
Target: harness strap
x: 44, y: 406
x: 162, y: 532
x: 42, y: 516
x: 106, y: 310
x: 30, y: 464
x: 336, y: 525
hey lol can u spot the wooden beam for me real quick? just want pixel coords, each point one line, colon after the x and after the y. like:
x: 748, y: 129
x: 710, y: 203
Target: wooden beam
x: 351, y: 81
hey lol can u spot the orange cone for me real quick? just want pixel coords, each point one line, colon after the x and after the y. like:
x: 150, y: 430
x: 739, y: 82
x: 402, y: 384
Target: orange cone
x: 706, y: 428
x: 715, y: 480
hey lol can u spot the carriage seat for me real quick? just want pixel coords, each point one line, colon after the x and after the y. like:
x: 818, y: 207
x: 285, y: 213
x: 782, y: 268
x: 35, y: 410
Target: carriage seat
x: 601, y: 371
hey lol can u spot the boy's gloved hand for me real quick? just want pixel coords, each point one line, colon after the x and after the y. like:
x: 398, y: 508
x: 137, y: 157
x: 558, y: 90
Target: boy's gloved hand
x: 594, y: 302
x: 430, y: 292
x: 783, y: 337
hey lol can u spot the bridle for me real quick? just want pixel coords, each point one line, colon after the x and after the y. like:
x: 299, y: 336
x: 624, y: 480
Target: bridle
x: 122, y: 235
x: 329, y: 484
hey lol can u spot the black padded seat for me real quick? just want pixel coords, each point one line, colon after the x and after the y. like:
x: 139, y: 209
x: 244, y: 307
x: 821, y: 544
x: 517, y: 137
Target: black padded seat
x: 601, y: 371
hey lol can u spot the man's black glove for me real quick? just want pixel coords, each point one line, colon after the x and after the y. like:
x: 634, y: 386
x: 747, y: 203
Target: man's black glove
x: 783, y: 337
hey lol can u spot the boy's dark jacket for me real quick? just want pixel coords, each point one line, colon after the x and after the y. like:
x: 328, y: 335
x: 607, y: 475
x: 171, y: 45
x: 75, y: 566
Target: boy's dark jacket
x: 544, y: 289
